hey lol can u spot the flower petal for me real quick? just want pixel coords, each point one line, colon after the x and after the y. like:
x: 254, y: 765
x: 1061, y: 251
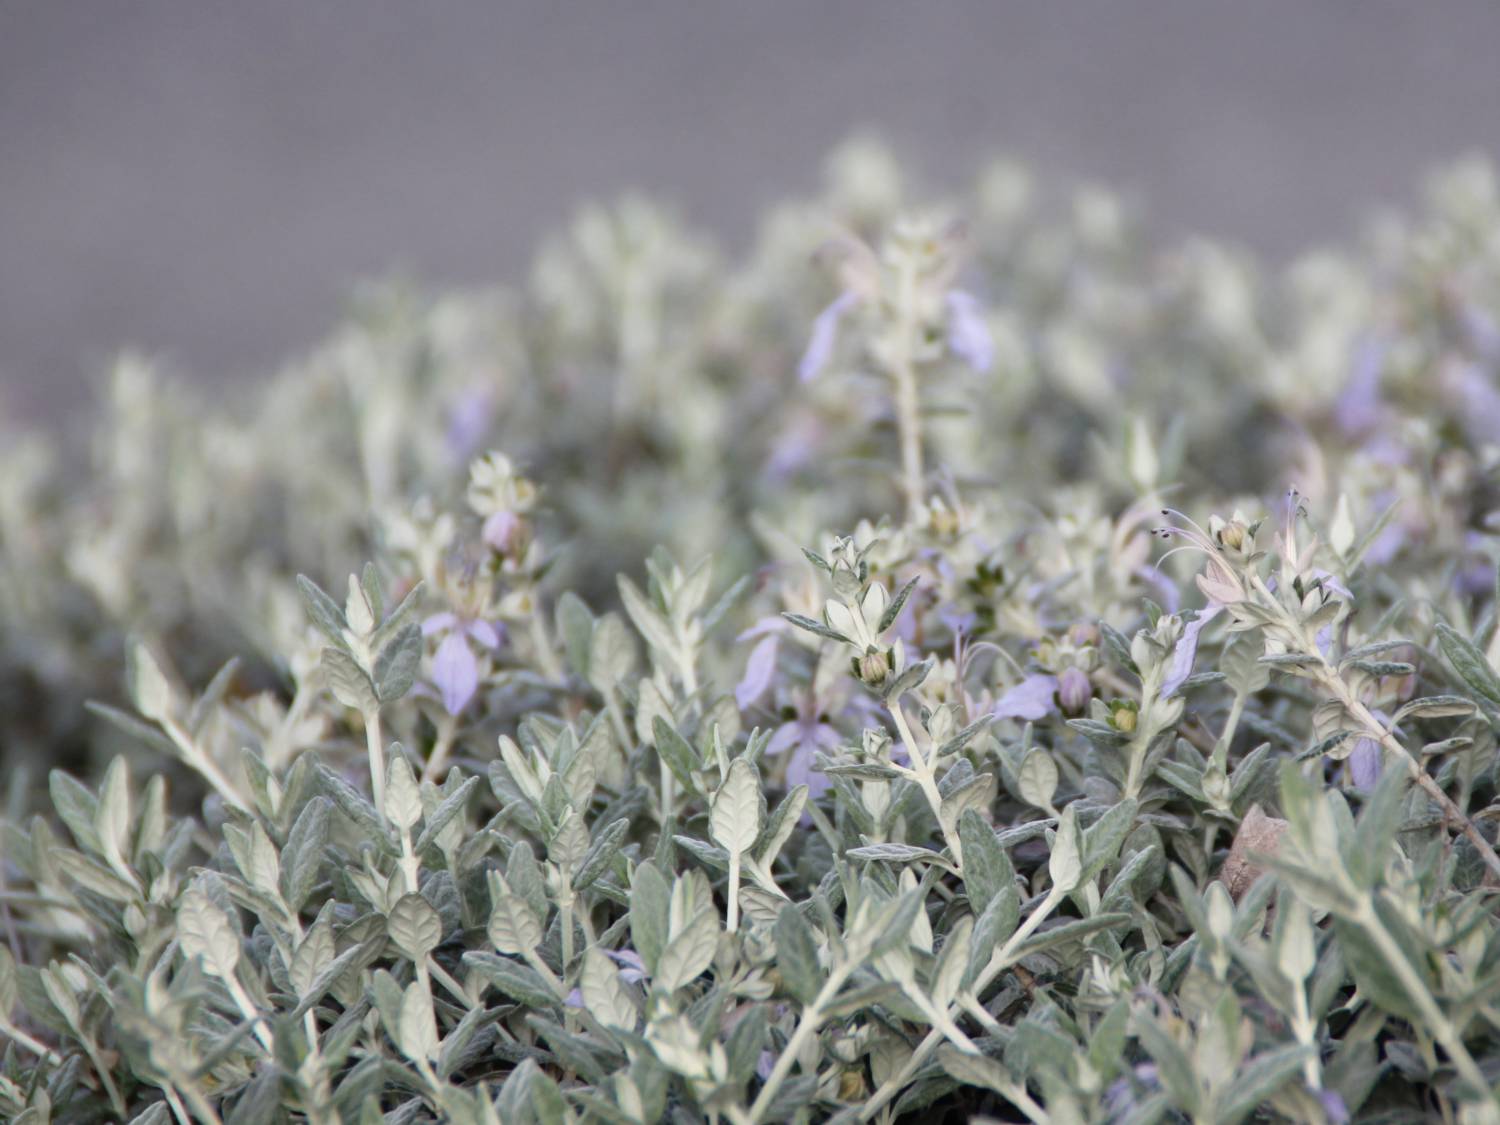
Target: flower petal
x: 439, y: 623
x: 824, y: 335
x: 1031, y: 699
x: 968, y: 335
x: 758, y: 672
x: 485, y: 633
x: 455, y: 672
x: 1186, y: 651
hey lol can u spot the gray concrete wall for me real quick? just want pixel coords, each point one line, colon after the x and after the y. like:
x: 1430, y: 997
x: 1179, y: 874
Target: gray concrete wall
x: 204, y: 178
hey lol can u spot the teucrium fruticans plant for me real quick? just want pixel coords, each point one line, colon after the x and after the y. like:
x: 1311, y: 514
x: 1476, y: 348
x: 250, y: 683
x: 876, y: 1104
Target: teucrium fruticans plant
x: 902, y: 778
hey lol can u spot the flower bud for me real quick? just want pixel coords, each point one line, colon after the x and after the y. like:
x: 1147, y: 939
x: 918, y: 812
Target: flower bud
x: 1073, y: 690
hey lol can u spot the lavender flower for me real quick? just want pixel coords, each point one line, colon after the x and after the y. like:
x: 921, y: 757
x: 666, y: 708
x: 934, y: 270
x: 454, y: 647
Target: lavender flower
x: 804, y: 736
x: 455, y: 670
x: 968, y: 335
x: 1032, y: 699
x: 1185, y: 653
x: 824, y: 335
x: 759, y: 671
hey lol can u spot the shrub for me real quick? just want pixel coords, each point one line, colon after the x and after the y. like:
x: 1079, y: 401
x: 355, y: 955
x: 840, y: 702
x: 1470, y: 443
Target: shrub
x: 907, y: 774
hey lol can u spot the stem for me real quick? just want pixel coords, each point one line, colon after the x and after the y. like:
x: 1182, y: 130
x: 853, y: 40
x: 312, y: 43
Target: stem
x: 1001, y: 960
x: 440, y: 748
x: 36, y: 1047
x: 1336, y: 684
x: 198, y: 760
x: 1437, y: 1021
x: 733, y: 921
x: 807, y: 1026
x: 248, y: 1010
x: 377, y: 761
x: 924, y: 777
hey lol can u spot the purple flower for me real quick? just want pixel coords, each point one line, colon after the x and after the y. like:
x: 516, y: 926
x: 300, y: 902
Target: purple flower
x: 500, y: 530
x: 968, y: 335
x: 1367, y: 759
x: 1333, y: 1107
x: 759, y: 670
x: 455, y: 670
x: 804, y: 737
x: 1478, y: 401
x: 824, y: 334
x: 1357, y: 410
x: 1074, y: 689
x: 1031, y: 699
x: 469, y: 419
x: 1186, y: 651
x: 634, y: 968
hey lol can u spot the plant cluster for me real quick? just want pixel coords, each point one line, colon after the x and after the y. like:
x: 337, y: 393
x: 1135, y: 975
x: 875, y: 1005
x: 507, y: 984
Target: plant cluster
x: 1062, y: 685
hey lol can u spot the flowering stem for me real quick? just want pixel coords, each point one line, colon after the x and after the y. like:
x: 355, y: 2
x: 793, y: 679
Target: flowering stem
x: 1361, y: 714
x: 922, y: 769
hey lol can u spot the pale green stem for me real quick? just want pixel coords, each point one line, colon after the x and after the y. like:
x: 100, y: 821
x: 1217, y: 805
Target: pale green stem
x: 376, y: 750
x: 925, y: 779
x: 807, y: 1026
x: 195, y: 757
x: 998, y: 963
x: 1415, y: 987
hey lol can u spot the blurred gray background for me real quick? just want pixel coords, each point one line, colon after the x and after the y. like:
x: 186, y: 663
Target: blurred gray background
x: 205, y: 179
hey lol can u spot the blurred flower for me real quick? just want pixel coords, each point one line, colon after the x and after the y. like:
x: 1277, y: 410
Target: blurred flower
x: 1031, y: 699
x: 455, y: 670
x: 968, y: 335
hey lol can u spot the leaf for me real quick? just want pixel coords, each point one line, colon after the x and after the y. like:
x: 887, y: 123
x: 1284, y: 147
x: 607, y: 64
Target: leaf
x: 403, y: 800
x: 1435, y: 707
x: 1470, y: 664
x: 690, y: 952
x: 575, y: 625
x: 611, y: 654
x: 1075, y: 930
x: 1065, y: 865
x: 604, y: 994
x: 518, y: 981
x: 513, y: 928
x: 987, y: 868
x: 78, y: 809
x: 976, y: 1070
x: 1102, y: 839
x: 418, y: 1030
x: 1037, y: 779
x: 797, y: 955
x: 734, y: 821
x: 898, y: 603
x: 348, y: 682
x: 811, y: 626
x: 322, y: 610
x: 440, y: 817
x: 396, y: 663
x: 150, y: 691
x: 415, y: 927
x: 650, y: 897
x: 675, y: 751
x: 898, y: 853
x: 781, y: 824
x: 203, y: 930
x: 600, y: 854
x: 1258, y: 1080
x: 648, y: 620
